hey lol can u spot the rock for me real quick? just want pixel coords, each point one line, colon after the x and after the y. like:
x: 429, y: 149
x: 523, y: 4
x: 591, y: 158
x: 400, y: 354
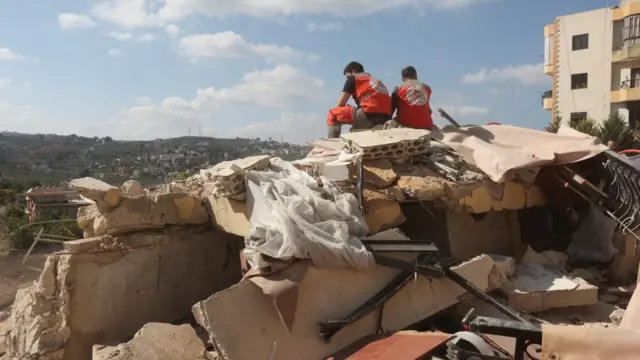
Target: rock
x: 379, y: 173
x: 155, y: 341
x: 616, y: 316
x: 381, y: 211
x: 132, y: 187
x: 395, y: 193
x: 98, y: 191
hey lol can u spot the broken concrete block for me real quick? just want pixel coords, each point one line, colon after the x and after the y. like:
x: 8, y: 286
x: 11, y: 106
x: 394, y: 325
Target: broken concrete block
x: 156, y: 341
x: 478, y: 202
x: 337, y: 170
x: 97, y: 190
x: 395, y: 193
x: 132, y: 187
x: 324, y: 294
x: 227, y: 178
x: 380, y: 211
x: 103, y: 290
x: 140, y: 213
x: 423, y: 188
x: 379, y: 173
x: 616, y: 316
x: 403, y: 345
x: 506, y: 264
x: 514, y: 196
x: 538, y: 288
x: 392, y: 143
x: 230, y: 215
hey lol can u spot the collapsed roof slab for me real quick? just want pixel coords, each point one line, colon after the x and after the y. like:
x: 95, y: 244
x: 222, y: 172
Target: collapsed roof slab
x: 245, y: 324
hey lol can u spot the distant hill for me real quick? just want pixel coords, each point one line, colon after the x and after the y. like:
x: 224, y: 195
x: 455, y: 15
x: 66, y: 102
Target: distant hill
x: 50, y: 159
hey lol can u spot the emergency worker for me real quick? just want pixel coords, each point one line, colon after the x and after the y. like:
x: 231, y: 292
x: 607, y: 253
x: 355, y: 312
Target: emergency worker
x: 411, y: 100
x: 373, y: 103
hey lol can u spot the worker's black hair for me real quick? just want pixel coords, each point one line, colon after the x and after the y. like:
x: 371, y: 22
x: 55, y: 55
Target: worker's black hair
x: 353, y: 66
x: 409, y: 72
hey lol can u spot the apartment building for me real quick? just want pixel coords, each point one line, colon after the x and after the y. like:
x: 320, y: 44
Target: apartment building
x: 593, y: 58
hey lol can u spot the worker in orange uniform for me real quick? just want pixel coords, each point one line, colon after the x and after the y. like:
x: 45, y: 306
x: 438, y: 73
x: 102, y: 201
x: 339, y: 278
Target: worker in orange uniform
x: 373, y: 103
x: 411, y: 100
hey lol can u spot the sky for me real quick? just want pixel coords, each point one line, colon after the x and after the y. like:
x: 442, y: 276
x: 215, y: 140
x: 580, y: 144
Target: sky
x: 146, y: 69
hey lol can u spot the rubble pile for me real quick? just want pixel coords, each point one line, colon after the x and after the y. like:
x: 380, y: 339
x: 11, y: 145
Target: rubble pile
x: 145, y: 258
x: 370, y: 235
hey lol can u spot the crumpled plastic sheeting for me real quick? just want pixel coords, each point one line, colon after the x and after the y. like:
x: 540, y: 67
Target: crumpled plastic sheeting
x: 293, y: 217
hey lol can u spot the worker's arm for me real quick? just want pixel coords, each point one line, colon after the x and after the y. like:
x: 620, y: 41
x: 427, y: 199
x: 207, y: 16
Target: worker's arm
x: 394, y: 101
x: 348, y: 90
x: 344, y: 97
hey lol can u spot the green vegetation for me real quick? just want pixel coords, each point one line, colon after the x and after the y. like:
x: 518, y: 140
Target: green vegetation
x: 613, y: 129
x: 12, y: 201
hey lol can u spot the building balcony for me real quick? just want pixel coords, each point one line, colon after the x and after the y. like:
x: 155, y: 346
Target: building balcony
x: 625, y: 54
x: 547, y: 100
x: 629, y: 91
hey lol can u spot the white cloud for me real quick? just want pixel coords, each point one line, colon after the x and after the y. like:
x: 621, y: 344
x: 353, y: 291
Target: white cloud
x: 526, y: 74
x: 69, y: 21
x: 157, y: 13
x: 327, y: 26
x: 7, y: 54
x: 291, y: 127
x: 114, y: 52
x: 4, y: 82
x: 172, y: 30
x: 125, y: 36
x: 283, y: 87
x: 230, y: 44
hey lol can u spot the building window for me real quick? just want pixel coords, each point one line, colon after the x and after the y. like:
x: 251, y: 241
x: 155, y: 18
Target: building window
x: 576, y: 118
x: 579, y: 81
x: 580, y: 42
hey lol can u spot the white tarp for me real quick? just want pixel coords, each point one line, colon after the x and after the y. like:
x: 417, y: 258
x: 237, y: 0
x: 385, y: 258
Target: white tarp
x: 293, y: 217
x: 504, y: 151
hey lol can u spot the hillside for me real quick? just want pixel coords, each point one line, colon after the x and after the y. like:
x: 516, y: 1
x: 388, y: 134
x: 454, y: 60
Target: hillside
x: 50, y: 159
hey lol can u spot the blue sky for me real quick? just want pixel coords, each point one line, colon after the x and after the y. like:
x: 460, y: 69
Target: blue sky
x: 142, y: 69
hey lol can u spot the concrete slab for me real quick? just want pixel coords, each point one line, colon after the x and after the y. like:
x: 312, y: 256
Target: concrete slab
x: 367, y: 139
x: 230, y: 168
x: 244, y: 324
x: 230, y: 215
x: 538, y: 288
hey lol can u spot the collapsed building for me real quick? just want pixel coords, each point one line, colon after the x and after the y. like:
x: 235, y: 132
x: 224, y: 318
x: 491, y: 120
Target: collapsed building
x: 370, y: 235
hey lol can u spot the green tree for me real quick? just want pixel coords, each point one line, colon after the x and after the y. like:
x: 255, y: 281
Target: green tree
x: 615, y: 128
x: 554, y: 125
x: 587, y: 126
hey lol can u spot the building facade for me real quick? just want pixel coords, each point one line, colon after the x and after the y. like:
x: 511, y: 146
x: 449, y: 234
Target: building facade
x: 593, y: 58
